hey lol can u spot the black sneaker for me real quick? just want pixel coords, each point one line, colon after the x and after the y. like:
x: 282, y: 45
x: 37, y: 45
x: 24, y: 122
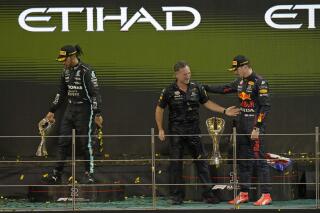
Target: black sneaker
x: 212, y: 200
x: 89, y: 178
x: 52, y: 179
x: 211, y: 197
x: 176, y: 200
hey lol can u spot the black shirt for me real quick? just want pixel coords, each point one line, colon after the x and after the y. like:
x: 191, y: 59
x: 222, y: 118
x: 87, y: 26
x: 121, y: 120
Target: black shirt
x: 183, y: 106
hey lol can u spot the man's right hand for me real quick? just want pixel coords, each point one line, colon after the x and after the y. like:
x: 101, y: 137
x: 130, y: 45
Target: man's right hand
x: 50, y: 117
x: 162, y: 135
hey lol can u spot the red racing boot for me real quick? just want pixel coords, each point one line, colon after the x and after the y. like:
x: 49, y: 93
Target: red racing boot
x: 243, y: 197
x: 265, y: 199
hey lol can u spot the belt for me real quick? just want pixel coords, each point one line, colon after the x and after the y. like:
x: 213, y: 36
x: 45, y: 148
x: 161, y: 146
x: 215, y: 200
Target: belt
x: 75, y: 102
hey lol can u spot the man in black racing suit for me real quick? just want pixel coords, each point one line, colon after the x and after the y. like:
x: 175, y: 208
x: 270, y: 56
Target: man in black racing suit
x: 253, y: 94
x: 79, y: 87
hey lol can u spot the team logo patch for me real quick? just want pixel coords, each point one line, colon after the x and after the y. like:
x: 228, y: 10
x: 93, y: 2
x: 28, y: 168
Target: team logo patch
x: 263, y: 91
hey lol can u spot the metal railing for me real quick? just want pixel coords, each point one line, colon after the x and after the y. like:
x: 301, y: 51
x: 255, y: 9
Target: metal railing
x: 153, y: 161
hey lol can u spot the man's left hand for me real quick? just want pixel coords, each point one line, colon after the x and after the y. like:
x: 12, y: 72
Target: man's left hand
x: 255, y: 134
x: 98, y: 120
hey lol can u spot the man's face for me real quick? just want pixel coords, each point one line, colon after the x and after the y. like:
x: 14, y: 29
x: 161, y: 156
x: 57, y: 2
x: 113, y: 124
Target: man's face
x: 240, y: 71
x: 67, y: 63
x: 183, y: 75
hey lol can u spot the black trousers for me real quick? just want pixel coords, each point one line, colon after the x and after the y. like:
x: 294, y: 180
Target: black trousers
x: 177, y: 146
x: 251, y: 150
x: 80, y: 118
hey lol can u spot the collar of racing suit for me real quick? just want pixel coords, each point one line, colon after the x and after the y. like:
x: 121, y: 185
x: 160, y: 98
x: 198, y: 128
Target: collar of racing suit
x: 250, y: 77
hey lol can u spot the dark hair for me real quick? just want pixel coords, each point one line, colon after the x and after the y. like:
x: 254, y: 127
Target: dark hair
x: 179, y: 65
x: 79, y: 50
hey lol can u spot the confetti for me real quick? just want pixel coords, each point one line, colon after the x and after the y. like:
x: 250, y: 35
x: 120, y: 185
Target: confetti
x: 45, y: 175
x: 22, y: 177
x: 137, y: 180
x: 159, y: 172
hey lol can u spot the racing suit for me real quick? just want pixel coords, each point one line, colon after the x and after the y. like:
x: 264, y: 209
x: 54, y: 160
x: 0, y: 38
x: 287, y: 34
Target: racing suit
x: 80, y: 87
x: 253, y: 95
x: 184, y: 120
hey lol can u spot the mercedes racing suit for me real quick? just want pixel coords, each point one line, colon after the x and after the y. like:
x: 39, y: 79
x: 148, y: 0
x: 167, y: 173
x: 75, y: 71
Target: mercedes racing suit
x: 79, y: 87
x: 184, y: 120
x: 253, y: 95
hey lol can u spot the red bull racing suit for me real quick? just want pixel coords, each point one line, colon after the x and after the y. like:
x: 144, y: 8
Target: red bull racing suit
x: 254, y: 98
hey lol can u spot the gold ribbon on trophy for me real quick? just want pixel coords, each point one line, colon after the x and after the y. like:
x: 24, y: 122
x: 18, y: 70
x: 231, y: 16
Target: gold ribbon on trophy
x: 215, y: 127
x: 44, y: 126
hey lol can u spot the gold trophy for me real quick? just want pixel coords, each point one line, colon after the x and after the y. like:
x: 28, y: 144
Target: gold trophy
x: 44, y: 126
x: 215, y: 127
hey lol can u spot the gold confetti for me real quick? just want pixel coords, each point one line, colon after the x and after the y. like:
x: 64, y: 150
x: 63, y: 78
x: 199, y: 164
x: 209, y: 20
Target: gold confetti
x: 45, y: 175
x: 289, y: 152
x: 1, y: 197
x: 157, y: 154
x: 159, y: 172
x: 137, y: 180
x: 22, y: 177
x: 70, y: 179
x: 126, y: 198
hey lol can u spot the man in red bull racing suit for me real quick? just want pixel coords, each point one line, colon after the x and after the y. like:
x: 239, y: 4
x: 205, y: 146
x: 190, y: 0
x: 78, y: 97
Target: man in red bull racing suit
x: 253, y: 94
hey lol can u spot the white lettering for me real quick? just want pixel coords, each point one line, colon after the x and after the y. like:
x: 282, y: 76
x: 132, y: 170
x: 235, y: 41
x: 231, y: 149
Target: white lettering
x: 169, y: 19
x: 271, y: 14
x: 23, y: 17
x: 141, y: 16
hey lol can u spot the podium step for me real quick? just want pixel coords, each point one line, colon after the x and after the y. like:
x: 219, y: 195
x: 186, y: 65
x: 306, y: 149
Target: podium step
x: 80, y: 193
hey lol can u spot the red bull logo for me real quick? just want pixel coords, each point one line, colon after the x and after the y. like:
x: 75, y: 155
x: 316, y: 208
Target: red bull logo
x: 260, y: 117
x: 247, y: 104
x: 244, y: 96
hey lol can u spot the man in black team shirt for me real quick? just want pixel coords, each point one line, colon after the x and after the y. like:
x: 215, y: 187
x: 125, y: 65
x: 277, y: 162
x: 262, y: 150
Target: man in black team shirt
x: 184, y: 98
x: 79, y: 87
x: 253, y: 94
